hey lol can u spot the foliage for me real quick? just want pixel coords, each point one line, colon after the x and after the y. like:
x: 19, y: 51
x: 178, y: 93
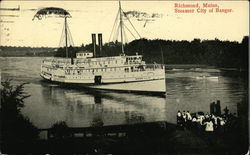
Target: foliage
x: 61, y: 52
x: 7, y: 51
x: 60, y: 130
x: 14, y: 126
x: 97, y: 122
x: 12, y: 98
x: 229, y: 54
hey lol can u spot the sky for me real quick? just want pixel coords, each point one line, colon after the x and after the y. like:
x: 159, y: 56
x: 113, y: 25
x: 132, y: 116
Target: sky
x: 99, y: 16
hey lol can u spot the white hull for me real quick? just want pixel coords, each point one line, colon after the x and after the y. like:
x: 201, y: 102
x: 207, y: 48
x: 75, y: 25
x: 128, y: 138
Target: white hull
x: 152, y: 85
x: 157, y: 86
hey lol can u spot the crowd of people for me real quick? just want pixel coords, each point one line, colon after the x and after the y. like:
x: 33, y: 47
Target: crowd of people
x: 206, y: 122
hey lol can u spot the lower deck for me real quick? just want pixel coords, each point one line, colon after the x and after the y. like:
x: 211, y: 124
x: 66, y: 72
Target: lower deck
x: 147, y: 84
x: 148, y: 78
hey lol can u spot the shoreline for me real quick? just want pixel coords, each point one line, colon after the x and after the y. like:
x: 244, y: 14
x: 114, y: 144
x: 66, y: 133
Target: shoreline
x: 150, y: 138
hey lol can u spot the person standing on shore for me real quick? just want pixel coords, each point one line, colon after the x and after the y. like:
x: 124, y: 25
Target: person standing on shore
x: 179, y: 118
x: 184, y: 118
x: 209, y: 126
x: 189, y: 119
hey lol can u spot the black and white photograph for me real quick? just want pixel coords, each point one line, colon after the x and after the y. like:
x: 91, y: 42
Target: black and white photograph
x: 124, y: 77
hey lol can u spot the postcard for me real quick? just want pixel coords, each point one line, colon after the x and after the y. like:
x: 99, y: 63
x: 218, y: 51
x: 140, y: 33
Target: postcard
x: 124, y: 77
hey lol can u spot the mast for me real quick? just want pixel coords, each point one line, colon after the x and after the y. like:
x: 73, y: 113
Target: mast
x: 66, y: 35
x: 121, y: 25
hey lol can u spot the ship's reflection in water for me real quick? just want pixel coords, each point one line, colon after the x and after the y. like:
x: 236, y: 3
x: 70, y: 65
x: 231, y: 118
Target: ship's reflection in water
x: 98, y: 98
x: 84, y: 108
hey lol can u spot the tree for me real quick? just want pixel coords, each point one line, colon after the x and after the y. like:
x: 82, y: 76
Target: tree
x: 60, y: 130
x: 14, y: 126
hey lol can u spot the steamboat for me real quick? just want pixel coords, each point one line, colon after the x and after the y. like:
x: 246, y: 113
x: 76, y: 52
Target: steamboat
x: 119, y: 73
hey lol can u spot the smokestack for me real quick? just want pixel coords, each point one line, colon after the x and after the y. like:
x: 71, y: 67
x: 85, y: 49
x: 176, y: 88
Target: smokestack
x: 94, y: 43
x: 100, y: 43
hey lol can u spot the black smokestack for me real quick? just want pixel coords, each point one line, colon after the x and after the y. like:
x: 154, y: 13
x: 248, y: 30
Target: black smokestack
x: 100, y: 43
x: 94, y: 43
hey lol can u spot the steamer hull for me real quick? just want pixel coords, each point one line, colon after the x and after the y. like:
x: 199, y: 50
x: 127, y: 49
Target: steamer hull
x: 150, y: 86
x: 126, y: 76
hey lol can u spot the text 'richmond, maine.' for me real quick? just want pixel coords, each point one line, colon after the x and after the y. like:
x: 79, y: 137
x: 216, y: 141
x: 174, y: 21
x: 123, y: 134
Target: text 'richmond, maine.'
x: 200, y: 8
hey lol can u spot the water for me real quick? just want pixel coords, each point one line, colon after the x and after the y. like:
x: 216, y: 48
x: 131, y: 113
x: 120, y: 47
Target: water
x: 188, y: 89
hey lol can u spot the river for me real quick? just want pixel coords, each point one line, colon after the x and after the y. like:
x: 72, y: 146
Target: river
x: 187, y: 89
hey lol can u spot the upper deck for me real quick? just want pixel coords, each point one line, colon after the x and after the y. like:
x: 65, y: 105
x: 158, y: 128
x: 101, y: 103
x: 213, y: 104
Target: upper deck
x: 114, y: 61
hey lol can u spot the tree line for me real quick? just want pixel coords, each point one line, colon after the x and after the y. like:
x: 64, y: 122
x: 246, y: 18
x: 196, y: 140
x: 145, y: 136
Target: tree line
x: 228, y: 54
x: 6, y: 51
